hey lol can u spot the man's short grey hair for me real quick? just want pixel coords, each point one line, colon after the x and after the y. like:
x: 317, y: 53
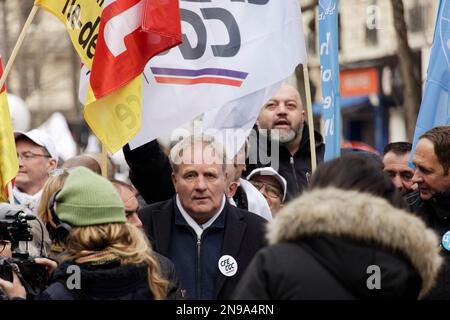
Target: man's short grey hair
x: 190, y: 143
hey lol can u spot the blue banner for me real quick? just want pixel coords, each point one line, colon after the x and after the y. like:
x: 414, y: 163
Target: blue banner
x: 329, y: 74
x: 435, y: 107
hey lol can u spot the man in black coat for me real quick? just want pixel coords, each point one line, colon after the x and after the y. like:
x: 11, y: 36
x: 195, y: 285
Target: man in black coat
x: 432, y: 200
x: 210, y: 242
x: 283, y: 140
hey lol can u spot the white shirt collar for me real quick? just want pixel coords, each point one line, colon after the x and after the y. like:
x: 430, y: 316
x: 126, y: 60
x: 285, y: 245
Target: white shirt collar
x: 191, y: 222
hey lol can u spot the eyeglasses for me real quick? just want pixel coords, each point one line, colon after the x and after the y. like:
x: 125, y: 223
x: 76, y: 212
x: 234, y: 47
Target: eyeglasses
x: 270, y: 190
x: 28, y: 155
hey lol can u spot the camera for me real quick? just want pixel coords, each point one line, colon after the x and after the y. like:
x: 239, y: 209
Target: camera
x: 14, y: 228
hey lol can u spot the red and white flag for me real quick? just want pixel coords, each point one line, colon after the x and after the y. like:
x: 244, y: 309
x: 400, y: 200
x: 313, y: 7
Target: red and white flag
x: 131, y: 33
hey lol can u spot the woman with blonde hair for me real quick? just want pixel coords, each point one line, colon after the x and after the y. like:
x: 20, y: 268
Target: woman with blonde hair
x: 53, y: 184
x: 104, y: 257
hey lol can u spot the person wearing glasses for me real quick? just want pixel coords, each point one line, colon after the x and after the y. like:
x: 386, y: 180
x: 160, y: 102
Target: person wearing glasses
x: 37, y: 157
x: 395, y: 161
x: 271, y: 185
x: 130, y: 201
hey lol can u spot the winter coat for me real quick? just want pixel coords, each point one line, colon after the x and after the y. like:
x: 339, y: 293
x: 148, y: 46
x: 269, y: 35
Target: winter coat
x: 174, y: 291
x: 243, y: 236
x: 295, y: 169
x: 99, y: 282
x: 436, y: 214
x: 334, y: 244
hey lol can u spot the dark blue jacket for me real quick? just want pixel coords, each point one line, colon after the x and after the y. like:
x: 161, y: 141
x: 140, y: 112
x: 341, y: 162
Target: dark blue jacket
x: 197, y: 256
x: 239, y: 234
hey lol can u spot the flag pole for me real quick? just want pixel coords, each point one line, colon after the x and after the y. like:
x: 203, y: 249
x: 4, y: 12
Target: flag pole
x: 18, y: 45
x: 10, y: 193
x: 309, y: 111
x: 104, y: 162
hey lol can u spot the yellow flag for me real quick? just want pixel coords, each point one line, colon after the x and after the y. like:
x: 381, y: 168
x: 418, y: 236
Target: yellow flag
x: 82, y: 20
x: 116, y: 118
x: 9, y: 165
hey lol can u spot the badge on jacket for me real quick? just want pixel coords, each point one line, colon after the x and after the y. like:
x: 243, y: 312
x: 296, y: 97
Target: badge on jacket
x: 446, y: 241
x: 228, y: 265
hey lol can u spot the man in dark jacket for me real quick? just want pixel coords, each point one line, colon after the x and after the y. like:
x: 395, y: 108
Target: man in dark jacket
x: 283, y: 139
x: 209, y: 241
x: 432, y: 200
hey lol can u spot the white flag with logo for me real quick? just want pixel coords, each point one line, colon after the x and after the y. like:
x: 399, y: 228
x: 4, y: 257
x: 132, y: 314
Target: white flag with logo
x: 231, y: 50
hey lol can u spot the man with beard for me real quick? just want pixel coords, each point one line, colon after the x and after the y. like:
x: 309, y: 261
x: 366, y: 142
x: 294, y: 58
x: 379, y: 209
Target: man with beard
x: 432, y: 199
x: 283, y: 139
x: 395, y: 163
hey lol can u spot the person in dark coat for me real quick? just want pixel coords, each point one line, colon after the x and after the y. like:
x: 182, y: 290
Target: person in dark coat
x: 282, y: 141
x: 210, y: 241
x: 431, y: 201
x: 344, y: 239
x: 105, y: 257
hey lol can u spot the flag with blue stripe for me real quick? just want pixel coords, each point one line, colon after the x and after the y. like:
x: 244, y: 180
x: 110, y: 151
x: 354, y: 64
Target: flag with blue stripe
x: 329, y: 73
x: 435, y: 107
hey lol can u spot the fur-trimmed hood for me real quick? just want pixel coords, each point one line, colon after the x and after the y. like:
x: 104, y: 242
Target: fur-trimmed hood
x: 363, y: 218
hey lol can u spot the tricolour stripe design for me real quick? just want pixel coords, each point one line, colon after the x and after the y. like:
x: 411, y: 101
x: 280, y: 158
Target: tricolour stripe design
x: 200, y: 76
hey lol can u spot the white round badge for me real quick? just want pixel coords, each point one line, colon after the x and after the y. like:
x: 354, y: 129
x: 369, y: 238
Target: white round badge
x: 446, y: 241
x: 228, y: 265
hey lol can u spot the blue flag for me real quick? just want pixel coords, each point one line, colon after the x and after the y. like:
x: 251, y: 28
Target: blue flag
x: 435, y: 107
x: 329, y: 74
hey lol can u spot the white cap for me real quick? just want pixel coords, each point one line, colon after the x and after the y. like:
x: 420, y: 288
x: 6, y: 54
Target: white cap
x: 269, y: 171
x: 41, y: 139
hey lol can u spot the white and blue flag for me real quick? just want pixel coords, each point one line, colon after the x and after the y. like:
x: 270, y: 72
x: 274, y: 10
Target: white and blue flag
x: 329, y: 74
x: 435, y: 107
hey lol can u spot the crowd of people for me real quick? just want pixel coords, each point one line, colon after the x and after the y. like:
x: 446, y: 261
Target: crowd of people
x: 191, y: 223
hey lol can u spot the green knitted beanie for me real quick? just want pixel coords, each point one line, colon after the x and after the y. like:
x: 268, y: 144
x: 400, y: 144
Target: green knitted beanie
x: 88, y: 199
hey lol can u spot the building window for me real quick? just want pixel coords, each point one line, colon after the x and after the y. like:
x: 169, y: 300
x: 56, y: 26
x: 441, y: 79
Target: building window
x: 371, y: 36
x: 417, y: 17
x: 312, y: 37
x: 372, y: 22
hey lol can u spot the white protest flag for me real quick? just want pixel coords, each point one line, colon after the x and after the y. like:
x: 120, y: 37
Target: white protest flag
x: 232, y: 123
x: 231, y: 50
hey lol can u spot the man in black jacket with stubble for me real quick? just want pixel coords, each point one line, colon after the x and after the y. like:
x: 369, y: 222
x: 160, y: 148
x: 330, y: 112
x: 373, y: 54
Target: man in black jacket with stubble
x: 431, y: 201
x: 283, y: 140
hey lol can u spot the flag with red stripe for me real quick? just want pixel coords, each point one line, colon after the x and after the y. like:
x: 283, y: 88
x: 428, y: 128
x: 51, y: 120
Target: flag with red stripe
x: 131, y: 33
